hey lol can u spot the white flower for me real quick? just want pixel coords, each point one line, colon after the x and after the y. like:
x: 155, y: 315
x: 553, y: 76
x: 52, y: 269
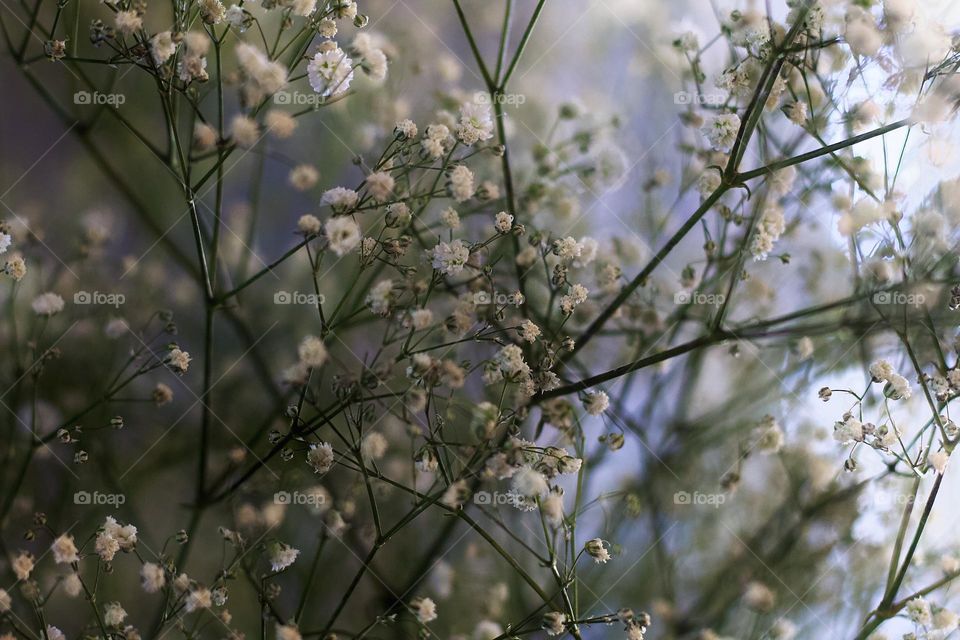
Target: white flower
x: 938, y: 460
x: 320, y: 457
x: 918, y: 610
x: 126, y: 535
x: 282, y: 556
x: 312, y: 351
x: 162, y: 47
x: 596, y: 550
x: 373, y: 446
x: 460, y: 183
x: 343, y: 234
x: 288, y: 632
x: 380, y: 185
x: 405, y: 129
x: 850, y: 430
x: 421, y: 318
x: 5, y: 601
x: 768, y: 231
x: 106, y: 546
x: 554, y: 622
x: 47, y: 304
x: 244, y: 131
x: 450, y: 258
x: 152, y: 577
x: 22, y: 565
x: 234, y: 16
x: 303, y: 7
x: 113, y: 614
x: 425, y: 608
x: 503, y: 222
x: 567, y: 249
x: 5, y: 242
x: 578, y: 294
x: 476, y: 122
x: 897, y: 388
x: 128, y: 21
x: 450, y: 218
x: 881, y: 370
x: 64, y: 550
x: 708, y: 182
x: 340, y: 199
x: 380, y: 297
x: 178, y: 360
x: 199, y: 598
x: 330, y: 72
x: 309, y: 224
x: 529, y: 331
x: 303, y: 177
x: 53, y: 633
x: 722, y: 130
x: 596, y: 402
x: 861, y: 32
x: 528, y: 482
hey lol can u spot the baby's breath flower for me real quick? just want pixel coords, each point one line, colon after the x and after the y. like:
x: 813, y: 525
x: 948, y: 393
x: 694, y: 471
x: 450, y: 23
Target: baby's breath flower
x: 152, y: 577
x: 460, y: 183
x: 554, y: 622
x: 178, y: 360
x: 722, y: 130
x: 47, y: 304
x: 288, y: 632
x: 503, y: 222
x: 343, y: 234
x: 578, y: 294
x: 64, y: 550
x: 128, y: 22
x: 380, y: 297
x: 5, y: 601
x: 320, y: 457
x: 199, y: 598
x: 450, y: 218
x: 309, y: 225
x: 312, y: 351
x: 476, y: 121
x: 280, y: 123
x: 281, y: 556
x: 162, y: 47
x: 596, y: 402
x: 425, y: 609
x: 380, y: 184
x: 918, y: 610
x: 405, y: 129
x: 204, y: 136
x: 850, y: 430
x: 938, y: 460
x: 340, y: 199
x: 304, y: 177
x: 22, y: 565
x: 450, y: 258
x: 212, y: 11
x: 529, y: 331
x: 113, y: 614
x: 595, y: 549
x: 244, y: 131
x: 330, y: 72
x: 374, y: 446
